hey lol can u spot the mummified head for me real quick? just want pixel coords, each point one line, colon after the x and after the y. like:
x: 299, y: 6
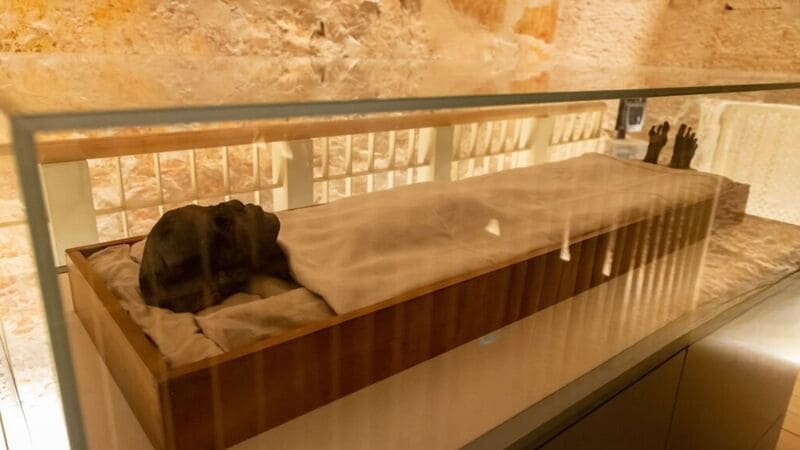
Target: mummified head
x: 197, y: 256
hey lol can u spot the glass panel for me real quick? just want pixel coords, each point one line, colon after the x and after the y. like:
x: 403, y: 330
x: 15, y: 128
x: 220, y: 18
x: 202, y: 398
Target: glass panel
x: 139, y: 180
x: 211, y: 172
x: 111, y: 226
x: 208, y: 201
x: 337, y: 189
x: 240, y: 167
x: 359, y: 185
x: 266, y: 201
x: 360, y: 153
x: 245, y: 197
x: 337, y: 155
x: 552, y: 252
x: 171, y: 81
x: 176, y: 176
x: 140, y: 221
x: 106, y: 183
x: 383, y: 141
x: 30, y: 402
x: 403, y: 147
x: 266, y: 171
x: 422, y: 291
x: 320, y: 158
x: 171, y: 206
x: 380, y: 181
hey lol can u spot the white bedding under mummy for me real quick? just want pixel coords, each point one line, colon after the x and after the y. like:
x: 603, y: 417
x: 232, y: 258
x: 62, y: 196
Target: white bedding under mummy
x: 268, y: 308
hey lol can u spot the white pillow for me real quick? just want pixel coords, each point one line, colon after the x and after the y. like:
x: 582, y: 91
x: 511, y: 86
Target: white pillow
x: 266, y: 286
x: 137, y: 250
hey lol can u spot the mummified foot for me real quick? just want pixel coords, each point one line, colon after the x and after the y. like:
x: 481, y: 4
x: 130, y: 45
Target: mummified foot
x: 685, y: 148
x: 658, y: 139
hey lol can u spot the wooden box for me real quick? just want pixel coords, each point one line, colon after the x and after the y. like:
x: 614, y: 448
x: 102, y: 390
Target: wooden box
x: 732, y: 204
x: 219, y: 401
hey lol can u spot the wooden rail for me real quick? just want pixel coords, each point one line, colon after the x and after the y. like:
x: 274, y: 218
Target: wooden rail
x: 67, y: 150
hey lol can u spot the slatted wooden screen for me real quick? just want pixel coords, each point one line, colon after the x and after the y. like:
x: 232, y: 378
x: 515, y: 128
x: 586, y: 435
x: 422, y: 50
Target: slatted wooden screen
x: 131, y: 189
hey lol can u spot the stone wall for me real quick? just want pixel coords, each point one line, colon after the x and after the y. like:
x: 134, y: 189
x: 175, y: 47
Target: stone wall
x: 126, y: 53
x: 481, y: 35
x: 535, y: 18
x: 744, y: 35
x: 264, y: 28
x: 720, y: 34
x: 211, y: 27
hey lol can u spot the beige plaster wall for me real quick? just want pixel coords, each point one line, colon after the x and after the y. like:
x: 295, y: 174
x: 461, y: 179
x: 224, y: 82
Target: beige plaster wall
x: 744, y: 35
x: 167, y: 52
x: 748, y: 34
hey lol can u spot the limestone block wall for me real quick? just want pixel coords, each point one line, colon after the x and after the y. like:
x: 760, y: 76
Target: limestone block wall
x: 154, y: 52
x: 737, y: 35
x: 751, y: 35
x: 211, y: 27
x: 502, y: 36
x: 535, y: 18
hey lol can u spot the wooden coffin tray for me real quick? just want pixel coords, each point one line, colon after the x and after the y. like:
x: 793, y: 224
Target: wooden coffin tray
x: 223, y: 400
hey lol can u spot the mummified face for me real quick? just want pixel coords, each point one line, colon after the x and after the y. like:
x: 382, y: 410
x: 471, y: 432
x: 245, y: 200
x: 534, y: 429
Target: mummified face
x: 197, y: 256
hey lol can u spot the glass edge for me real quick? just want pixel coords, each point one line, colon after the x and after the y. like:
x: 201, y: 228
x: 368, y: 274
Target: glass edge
x: 92, y: 119
x: 23, y: 151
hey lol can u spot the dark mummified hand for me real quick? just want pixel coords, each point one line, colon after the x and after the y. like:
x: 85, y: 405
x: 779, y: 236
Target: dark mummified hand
x: 685, y: 148
x: 658, y: 139
x: 197, y: 256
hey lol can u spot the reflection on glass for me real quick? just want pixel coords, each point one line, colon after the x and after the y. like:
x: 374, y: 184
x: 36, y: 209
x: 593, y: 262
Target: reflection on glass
x: 371, y: 267
x: 29, y: 392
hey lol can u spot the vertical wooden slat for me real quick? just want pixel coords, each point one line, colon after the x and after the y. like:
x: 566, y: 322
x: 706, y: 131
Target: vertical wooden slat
x: 392, y: 148
x: 326, y: 158
x: 443, y: 145
x: 122, y: 198
x: 348, y: 165
x: 193, y: 175
x: 159, y: 186
x: 412, y: 155
x: 256, y: 160
x: 295, y: 174
x: 226, y: 173
x: 370, y: 162
x: 541, y: 140
x: 71, y: 211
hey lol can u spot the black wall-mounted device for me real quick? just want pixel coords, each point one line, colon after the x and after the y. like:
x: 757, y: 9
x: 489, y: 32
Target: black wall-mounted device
x: 630, y: 116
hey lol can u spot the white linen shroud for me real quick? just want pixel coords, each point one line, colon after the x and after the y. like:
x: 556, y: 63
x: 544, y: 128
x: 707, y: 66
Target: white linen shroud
x: 234, y: 326
x: 359, y: 251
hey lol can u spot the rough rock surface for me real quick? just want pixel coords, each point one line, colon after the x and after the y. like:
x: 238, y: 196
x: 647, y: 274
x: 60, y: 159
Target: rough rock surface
x: 152, y: 53
x: 753, y: 36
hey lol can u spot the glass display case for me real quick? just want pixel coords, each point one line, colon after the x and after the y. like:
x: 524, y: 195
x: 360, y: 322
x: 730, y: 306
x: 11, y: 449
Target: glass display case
x: 473, y: 262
